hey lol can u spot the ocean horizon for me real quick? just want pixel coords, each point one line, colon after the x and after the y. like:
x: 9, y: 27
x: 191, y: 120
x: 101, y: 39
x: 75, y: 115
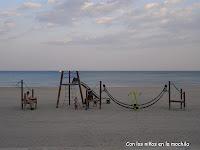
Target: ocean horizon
x: 110, y: 78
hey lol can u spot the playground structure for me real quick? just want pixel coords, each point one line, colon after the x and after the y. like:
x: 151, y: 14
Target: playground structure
x: 72, y: 78
x: 166, y: 89
x: 180, y: 92
x: 137, y: 106
x: 91, y: 94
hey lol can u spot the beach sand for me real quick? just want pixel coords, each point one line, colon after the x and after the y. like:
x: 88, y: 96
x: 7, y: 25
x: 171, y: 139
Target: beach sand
x: 94, y: 129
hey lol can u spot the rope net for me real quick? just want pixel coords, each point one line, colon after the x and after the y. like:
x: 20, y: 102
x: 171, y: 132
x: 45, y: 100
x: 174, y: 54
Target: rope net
x: 74, y: 92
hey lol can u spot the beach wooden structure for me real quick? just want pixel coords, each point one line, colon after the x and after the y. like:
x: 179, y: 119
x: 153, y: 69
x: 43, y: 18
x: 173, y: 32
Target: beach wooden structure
x: 72, y: 78
x: 147, y: 104
x: 182, y: 96
x: 68, y: 83
x: 24, y: 98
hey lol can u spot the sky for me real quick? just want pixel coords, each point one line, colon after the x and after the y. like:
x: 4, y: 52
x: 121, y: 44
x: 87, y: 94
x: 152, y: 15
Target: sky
x: 100, y: 35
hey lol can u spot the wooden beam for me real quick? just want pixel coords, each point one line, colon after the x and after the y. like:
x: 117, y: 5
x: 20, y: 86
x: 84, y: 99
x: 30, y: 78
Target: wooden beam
x: 70, y: 84
x: 177, y: 101
x: 32, y: 92
x: 181, y: 94
x: 100, y: 95
x: 86, y: 99
x: 184, y: 99
x: 169, y: 92
x: 79, y: 83
x: 59, y: 90
x: 22, y: 94
x: 69, y: 87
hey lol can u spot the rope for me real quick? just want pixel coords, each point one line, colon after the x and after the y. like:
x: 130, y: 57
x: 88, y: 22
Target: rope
x: 149, y: 103
x: 140, y: 106
x: 164, y: 89
x: 26, y: 86
x: 154, y: 101
x: 176, y: 87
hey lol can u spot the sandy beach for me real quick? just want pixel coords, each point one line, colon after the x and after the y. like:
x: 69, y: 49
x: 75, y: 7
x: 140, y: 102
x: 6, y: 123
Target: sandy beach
x: 109, y: 128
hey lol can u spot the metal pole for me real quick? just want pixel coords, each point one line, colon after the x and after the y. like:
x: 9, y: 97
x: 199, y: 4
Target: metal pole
x: 100, y: 94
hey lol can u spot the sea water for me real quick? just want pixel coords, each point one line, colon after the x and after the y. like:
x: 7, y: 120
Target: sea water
x: 110, y: 78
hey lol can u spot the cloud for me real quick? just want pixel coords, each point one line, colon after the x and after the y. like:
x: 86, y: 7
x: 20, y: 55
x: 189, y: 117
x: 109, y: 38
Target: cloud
x: 7, y: 26
x: 164, y: 24
x: 151, y: 5
x: 31, y: 5
x: 172, y: 1
x: 87, y: 5
x: 59, y: 42
x: 106, y: 7
x: 62, y: 13
x: 104, y: 20
x: 65, y: 11
x: 9, y: 14
x: 51, y: 1
x: 127, y: 22
x: 50, y: 25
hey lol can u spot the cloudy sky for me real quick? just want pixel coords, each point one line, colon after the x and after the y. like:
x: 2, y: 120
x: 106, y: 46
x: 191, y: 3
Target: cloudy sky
x: 100, y: 34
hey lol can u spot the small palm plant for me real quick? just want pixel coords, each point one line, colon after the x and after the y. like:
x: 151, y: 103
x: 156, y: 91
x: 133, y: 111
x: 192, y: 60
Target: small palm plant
x: 134, y: 95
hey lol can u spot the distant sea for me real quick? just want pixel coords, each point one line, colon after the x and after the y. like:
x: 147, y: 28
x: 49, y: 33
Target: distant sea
x: 110, y: 78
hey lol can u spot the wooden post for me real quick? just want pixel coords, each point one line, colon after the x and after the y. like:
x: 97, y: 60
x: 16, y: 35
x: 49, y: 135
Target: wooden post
x: 181, y: 94
x: 181, y: 98
x: 69, y: 87
x: 184, y: 99
x: 100, y: 95
x: 87, y: 100
x: 79, y: 83
x: 60, y: 86
x: 169, y: 92
x: 86, y: 96
x: 32, y: 92
x: 22, y: 94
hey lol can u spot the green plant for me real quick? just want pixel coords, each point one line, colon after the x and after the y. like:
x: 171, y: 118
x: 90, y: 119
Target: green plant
x: 134, y: 95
